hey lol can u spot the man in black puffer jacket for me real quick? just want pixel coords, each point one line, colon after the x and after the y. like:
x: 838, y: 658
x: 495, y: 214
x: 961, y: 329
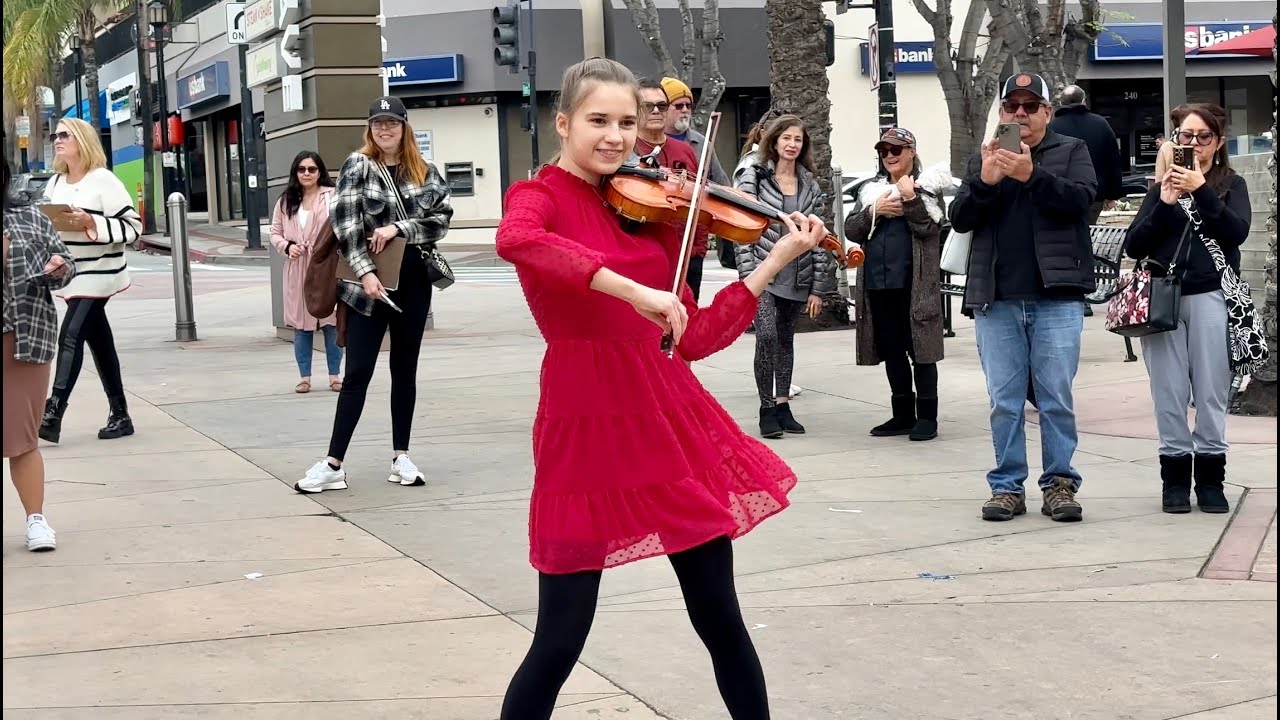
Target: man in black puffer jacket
x: 1030, y: 265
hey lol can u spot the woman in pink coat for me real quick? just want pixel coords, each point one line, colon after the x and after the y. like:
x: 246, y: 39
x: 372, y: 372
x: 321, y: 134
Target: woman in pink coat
x: 300, y: 214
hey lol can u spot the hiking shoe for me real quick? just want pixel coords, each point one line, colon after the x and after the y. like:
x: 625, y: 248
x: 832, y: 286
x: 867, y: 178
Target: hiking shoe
x: 1004, y: 506
x: 1060, y: 501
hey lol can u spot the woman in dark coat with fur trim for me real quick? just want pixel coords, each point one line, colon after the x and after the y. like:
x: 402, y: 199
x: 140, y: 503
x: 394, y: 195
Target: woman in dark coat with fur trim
x: 897, y: 303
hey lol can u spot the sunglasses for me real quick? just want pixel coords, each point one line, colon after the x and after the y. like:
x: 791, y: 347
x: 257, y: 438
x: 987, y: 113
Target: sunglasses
x: 1030, y: 107
x: 682, y: 105
x: 308, y: 170
x: 649, y: 107
x: 1204, y: 137
x: 894, y: 150
x: 55, y: 137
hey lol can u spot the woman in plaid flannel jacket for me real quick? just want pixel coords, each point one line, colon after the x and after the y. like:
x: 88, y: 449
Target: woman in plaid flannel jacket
x: 366, y: 215
x: 35, y: 262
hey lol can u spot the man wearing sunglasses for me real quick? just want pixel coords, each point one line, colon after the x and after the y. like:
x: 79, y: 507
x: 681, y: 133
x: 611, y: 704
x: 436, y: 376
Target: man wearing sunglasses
x: 1030, y: 265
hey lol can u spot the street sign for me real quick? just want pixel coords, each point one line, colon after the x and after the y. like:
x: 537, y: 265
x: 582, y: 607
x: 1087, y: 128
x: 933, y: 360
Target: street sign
x: 236, y: 34
x: 873, y: 54
x: 23, y: 126
x: 524, y: 89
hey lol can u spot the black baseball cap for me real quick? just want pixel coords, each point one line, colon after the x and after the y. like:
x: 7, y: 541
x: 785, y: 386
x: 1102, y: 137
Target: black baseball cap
x: 390, y: 107
x: 1032, y: 83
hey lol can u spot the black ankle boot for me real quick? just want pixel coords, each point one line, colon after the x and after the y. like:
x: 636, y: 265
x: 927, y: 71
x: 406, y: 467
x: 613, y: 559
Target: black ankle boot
x: 786, y: 420
x: 903, y: 420
x: 118, y: 423
x: 1211, y: 472
x: 926, y: 427
x: 51, y: 423
x: 1175, y: 479
x: 769, y: 425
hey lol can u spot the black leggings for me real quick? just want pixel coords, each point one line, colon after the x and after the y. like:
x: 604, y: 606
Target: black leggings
x: 86, y: 322
x: 891, y: 323
x: 776, y: 320
x: 364, y: 340
x: 567, y: 606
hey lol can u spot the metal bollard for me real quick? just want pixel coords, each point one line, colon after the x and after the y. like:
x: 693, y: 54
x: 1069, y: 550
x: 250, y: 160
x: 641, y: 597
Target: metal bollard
x: 184, y: 327
x: 838, y: 180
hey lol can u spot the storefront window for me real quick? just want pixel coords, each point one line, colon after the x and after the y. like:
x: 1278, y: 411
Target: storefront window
x: 1247, y: 101
x: 197, y: 188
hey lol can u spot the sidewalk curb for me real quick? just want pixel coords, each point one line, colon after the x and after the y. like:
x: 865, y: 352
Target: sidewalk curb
x: 153, y: 243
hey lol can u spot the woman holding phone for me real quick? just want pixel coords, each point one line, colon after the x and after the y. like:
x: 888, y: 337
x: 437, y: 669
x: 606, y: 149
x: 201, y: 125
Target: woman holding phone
x: 100, y: 222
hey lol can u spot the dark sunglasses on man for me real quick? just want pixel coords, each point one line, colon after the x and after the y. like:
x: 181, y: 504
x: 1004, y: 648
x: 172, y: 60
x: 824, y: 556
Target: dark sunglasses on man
x: 1030, y: 107
x: 650, y: 107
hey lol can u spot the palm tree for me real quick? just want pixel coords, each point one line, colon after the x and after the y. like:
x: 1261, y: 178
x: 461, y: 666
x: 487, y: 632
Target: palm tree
x: 35, y: 30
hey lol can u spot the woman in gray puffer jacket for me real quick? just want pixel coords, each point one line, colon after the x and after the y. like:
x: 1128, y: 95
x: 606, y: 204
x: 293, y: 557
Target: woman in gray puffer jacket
x: 782, y: 177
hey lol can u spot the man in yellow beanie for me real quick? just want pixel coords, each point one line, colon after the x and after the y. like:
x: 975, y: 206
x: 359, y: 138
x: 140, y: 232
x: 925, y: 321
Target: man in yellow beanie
x: 679, y: 115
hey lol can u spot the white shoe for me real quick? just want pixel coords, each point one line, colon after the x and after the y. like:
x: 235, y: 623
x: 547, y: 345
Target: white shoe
x: 321, y: 477
x: 795, y: 390
x: 40, y: 537
x: 403, y: 471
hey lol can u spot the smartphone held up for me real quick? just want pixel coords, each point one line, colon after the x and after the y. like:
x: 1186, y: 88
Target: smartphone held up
x: 1009, y: 136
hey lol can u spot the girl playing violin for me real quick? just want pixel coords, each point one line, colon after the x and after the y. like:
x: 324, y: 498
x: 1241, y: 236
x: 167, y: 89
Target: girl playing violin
x: 633, y: 457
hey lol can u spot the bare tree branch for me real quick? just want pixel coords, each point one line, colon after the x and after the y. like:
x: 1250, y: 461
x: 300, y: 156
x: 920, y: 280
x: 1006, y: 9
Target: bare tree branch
x: 645, y: 15
x: 930, y: 16
x: 689, y: 42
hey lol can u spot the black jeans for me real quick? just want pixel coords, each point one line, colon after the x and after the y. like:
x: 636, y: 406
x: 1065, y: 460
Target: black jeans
x: 364, y: 340
x: 86, y: 322
x: 891, y: 320
x: 567, y: 607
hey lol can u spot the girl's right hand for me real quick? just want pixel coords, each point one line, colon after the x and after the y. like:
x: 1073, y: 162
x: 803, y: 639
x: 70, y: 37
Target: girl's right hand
x: 663, y: 309
x: 372, y: 285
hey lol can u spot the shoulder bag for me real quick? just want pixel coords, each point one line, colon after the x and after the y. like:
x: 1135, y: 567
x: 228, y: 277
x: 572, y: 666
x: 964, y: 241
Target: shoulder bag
x: 438, y: 270
x: 1146, y: 300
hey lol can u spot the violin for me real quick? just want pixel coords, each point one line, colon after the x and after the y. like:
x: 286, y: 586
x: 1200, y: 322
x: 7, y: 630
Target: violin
x: 652, y: 195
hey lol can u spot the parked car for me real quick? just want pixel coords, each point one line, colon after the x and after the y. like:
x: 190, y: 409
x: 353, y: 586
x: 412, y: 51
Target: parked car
x: 29, y: 184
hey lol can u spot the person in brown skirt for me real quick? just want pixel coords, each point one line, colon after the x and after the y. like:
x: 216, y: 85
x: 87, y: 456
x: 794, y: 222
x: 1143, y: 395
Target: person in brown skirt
x: 35, y: 262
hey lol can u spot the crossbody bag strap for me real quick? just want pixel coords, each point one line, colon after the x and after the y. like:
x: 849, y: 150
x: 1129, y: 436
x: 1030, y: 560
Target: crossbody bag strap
x: 1188, y: 204
x: 395, y: 190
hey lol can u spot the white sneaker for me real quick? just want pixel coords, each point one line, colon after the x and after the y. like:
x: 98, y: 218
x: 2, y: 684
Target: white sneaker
x: 403, y: 471
x: 40, y: 537
x: 795, y: 390
x: 321, y: 477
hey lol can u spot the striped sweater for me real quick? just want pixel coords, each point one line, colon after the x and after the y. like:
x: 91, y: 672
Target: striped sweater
x: 101, y: 270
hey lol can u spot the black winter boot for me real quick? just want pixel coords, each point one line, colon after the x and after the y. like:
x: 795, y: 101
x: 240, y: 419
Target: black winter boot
x: 1211, y: 472
x: 786, y: 420
x: 51, y: 423
x: 903, y: 420
x: 1175, y: 479
x: 118, y: 423
x: 926, y: 427
x: 769, y: 425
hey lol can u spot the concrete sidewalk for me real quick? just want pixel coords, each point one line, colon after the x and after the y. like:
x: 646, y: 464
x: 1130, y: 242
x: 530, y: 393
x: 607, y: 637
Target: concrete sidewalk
x: 192, y: 582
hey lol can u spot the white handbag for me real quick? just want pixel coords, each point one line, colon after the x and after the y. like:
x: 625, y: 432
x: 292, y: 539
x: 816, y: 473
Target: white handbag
x: 955, y: 253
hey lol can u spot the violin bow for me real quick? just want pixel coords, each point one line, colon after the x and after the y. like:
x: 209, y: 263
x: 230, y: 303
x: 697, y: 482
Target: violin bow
x: 691, y: 223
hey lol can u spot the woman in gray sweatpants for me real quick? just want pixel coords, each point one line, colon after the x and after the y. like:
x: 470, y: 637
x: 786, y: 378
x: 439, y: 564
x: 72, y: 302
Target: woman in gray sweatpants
x: 1191, y: 363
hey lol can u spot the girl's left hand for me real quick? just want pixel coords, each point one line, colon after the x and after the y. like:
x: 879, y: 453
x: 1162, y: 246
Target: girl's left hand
x: 381, y: 237
x: 1188, y: 181
x: 814, y: 307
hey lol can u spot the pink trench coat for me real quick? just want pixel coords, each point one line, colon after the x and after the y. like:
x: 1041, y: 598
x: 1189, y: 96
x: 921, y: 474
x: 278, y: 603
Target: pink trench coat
x: 284, y: 229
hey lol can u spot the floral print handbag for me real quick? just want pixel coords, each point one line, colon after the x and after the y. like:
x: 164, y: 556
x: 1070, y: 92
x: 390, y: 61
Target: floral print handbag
x: 1146, y: 300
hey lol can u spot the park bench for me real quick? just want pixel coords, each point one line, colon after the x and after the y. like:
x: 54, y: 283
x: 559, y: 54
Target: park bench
x: 1108, y: 250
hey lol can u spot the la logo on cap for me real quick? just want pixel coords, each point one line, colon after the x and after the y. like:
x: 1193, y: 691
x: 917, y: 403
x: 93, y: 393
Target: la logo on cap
x: 385, y: 105
x: 1023, y: 81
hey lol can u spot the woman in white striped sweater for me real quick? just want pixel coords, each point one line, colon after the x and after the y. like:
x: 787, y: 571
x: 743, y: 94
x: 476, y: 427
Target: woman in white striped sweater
x: 100, y: 205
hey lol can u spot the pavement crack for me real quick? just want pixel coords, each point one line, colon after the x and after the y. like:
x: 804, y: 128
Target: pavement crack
x: 1219, y: 707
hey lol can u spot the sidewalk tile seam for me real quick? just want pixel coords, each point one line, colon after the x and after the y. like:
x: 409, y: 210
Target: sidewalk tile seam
x: 1216, y: 708
x: 253, y: 636
x: 148, y: 492
x: 200, y: 585
x: 176, y: 524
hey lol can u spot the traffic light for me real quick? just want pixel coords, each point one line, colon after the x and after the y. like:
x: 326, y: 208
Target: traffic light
x: 506, y: 35
x: 829, y: 36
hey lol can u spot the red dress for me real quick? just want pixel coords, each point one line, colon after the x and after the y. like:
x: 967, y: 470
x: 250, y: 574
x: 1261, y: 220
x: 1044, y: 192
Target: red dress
x: 632, y: 456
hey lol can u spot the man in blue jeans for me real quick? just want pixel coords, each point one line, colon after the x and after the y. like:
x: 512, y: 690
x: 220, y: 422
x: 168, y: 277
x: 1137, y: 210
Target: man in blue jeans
x: 1030, y: 266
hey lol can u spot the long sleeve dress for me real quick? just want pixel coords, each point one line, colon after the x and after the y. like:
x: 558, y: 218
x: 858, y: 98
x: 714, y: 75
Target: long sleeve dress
x: 632, y: 456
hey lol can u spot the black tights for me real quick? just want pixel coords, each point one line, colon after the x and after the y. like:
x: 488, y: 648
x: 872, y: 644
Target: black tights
x: 86, y: 322
x: 364, y: 342
x: 567, y: 606
x: 776, y: 320
x: 891, y: 325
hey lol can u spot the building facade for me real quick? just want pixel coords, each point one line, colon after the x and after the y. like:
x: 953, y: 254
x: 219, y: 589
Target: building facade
x: 467, y: 112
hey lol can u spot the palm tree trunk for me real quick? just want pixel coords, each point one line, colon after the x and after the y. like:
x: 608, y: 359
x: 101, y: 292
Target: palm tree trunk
x: 89, y: 45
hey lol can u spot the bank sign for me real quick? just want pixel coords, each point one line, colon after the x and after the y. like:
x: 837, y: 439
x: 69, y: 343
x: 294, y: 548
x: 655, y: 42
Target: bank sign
x: 425, y: 70
x: 1145, y: 41
x: 908, y: 58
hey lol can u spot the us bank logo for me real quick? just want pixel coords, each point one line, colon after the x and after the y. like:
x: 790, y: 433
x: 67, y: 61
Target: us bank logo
x: 395, y: 71
x: 427, y: 70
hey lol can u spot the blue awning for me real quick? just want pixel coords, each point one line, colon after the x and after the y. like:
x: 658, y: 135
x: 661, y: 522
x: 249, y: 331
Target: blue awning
x: 83, y: 110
